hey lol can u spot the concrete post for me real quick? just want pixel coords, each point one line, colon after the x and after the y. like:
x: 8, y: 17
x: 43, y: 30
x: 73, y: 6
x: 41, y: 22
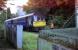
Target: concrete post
x: 76, y: 12
x: 19, y: 36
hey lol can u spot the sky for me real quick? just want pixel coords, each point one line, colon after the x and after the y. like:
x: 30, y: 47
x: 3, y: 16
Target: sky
x: 13, y: 4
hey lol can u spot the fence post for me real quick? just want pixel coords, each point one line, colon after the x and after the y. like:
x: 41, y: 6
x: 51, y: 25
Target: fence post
x: 76, y: 12
x: 19, y: 35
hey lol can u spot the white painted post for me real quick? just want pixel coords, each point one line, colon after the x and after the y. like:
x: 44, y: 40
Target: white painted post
x: 76, y: 12
x: 19, y: 35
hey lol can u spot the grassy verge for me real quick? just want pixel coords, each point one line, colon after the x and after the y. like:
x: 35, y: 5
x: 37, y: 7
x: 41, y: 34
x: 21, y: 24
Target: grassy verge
x: 30, y: 41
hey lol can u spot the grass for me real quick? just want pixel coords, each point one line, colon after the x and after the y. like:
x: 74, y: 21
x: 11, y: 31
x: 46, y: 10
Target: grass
x: 30, y: 41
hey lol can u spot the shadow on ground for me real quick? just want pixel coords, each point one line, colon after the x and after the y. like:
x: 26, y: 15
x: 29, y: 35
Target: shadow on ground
x: 5, y: 45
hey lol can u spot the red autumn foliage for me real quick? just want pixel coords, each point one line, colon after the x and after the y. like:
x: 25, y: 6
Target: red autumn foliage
x: 50, y: 3
x: 2, y: 4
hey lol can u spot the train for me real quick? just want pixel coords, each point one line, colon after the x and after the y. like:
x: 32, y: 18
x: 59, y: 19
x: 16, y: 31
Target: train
x: 34, y: 22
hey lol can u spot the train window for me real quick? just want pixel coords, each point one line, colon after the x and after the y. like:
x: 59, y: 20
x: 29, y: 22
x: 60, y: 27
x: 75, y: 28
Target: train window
x: 35, y: 18
x: 39, y: 21
x: 39, y: 18
x: 29, y: 20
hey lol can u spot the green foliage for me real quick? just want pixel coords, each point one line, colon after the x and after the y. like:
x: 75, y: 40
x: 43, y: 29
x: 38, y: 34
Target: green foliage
x: 2, y: 19
x: 58, y: 20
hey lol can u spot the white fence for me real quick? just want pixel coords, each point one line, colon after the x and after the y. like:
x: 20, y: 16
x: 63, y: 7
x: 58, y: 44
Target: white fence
x: 14, y: 30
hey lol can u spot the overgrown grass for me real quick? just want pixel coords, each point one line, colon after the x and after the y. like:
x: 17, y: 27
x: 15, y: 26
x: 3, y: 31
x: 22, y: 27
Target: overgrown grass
x: 30, y: 41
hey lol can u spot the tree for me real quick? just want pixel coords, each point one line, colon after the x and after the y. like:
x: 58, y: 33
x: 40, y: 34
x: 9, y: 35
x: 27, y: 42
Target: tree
x: 44, y: 4
x: 2, y: 17
x: 2, y: 4
x: 49, y: 3
x: 8, y: 13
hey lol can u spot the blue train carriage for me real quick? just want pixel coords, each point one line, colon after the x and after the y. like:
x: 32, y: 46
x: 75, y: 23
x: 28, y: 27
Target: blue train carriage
x: 34, y: 22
